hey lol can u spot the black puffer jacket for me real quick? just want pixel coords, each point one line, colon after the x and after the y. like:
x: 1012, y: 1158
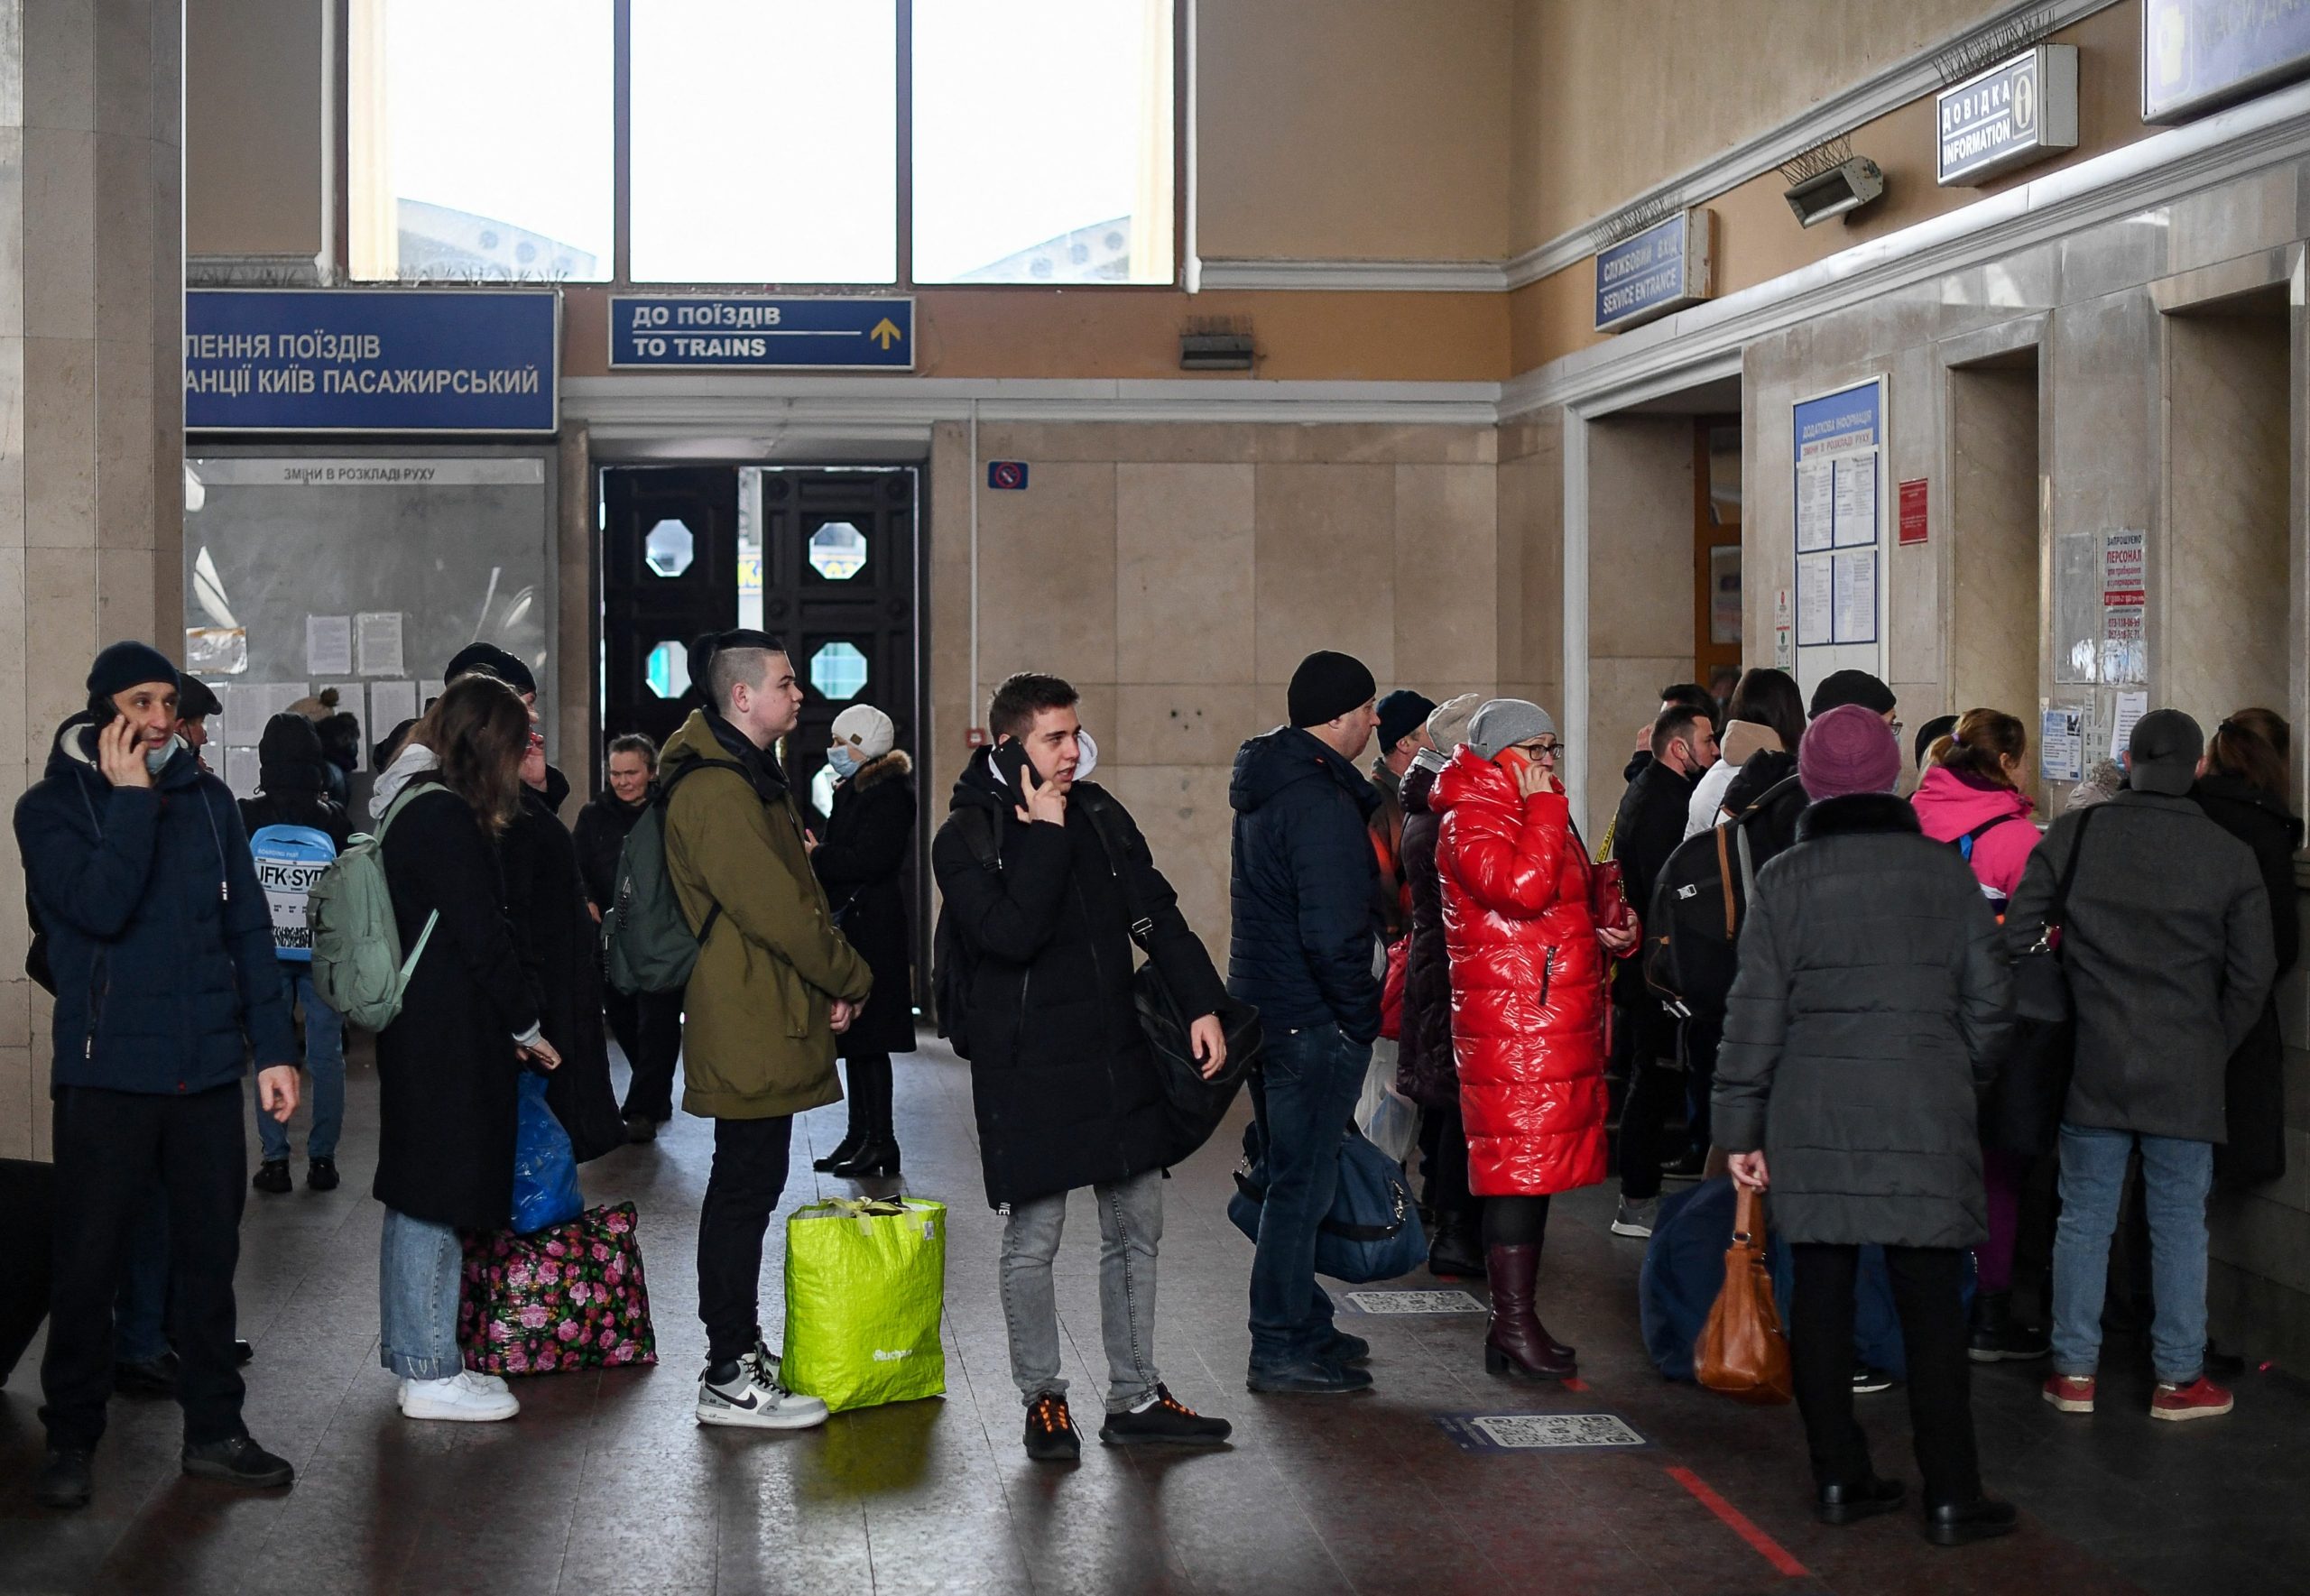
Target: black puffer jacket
x: 2256, y: 1091
x: 1425, y: 1071
x: 1765, y: 779
x: 860, y: 863
x: 1648, y: 828
x: 293, y: 782
x: 1304, y: 885
x: 1065, y: 1086
x: 600, y: 835
x: 560, y: 946
x: 1870, y: 1008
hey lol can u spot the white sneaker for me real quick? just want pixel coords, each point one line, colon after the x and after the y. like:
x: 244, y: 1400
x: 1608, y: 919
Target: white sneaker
x: 464, y: 1398
x: 755, y: 1400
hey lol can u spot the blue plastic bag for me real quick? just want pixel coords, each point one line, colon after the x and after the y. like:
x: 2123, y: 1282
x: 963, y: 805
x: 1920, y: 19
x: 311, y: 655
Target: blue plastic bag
x: 545, y: 1169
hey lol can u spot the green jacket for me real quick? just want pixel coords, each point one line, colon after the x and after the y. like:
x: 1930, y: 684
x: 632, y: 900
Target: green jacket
x: 756, y: 1037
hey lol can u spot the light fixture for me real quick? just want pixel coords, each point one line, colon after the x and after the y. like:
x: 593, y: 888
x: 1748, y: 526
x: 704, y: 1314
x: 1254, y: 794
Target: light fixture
x: 1216, y: 343
x: 1845, y: 187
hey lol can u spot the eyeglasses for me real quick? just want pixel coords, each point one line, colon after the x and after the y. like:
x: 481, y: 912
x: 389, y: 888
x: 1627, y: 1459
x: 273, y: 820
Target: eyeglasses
x: 1548, y: 751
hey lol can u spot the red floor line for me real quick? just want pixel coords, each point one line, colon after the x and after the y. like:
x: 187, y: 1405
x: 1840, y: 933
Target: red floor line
x: 1769, y: 1549
x: 1572, y: 1383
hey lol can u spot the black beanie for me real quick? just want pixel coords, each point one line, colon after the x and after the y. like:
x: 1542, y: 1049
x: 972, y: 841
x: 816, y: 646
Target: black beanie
x: 1840, y: 688
x: 127, y: 664
x: 1402, y: 713
x: 489, y: 660
x: 1327, y: 686
x: 195, y: 700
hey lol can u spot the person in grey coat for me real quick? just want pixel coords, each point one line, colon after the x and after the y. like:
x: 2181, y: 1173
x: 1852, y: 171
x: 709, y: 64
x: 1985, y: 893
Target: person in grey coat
x: 1870, y: 1008
x: 2166, y: 945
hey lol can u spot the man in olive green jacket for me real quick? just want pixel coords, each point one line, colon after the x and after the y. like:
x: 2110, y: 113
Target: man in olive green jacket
x: 774, y: 984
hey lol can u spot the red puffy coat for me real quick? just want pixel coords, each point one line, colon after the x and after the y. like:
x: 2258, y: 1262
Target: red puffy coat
x: 1528, y: 983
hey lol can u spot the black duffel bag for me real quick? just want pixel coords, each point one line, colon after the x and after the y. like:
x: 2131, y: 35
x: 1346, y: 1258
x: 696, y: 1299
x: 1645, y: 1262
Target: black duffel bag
x: 2021, y: 1109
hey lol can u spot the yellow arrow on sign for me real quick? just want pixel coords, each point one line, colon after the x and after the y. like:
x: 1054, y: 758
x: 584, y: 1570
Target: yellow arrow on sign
x: 885, y: 332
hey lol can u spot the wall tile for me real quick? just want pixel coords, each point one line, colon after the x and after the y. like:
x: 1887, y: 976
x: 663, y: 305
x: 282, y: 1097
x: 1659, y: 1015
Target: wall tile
x: 1640, y: 536
x: 12, y: 232
x: 1182, y: 810
x: 59, y: 64
x: 1326, y: 543
x: 60, y: 412
x: 122, y: 172
x: 12, y: 443
x: 12, y: 727
x: 1056, y: 543
x: 1623, y: 694
x: 59, y: 639
x: 1448, y: 574
x: 22, y: 1098
x: 1375, y: 443
x: 2232, y: 219
x: 125, y: 589
x: 60, y: 233
x: 1184, y: 551
x: 1184, y: 723
x: 121, y: 65
x: 126, y: 418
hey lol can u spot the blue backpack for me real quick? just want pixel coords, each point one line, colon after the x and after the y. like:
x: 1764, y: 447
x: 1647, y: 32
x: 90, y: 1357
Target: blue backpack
x: 289, y: 860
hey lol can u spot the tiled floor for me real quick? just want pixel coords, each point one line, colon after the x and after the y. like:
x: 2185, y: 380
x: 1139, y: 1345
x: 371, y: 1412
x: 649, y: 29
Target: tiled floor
x: 606, y: 1484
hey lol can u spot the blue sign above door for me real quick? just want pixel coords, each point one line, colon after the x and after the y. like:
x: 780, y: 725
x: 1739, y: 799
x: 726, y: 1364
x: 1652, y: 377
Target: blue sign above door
x: 1664, y: 268
x: 371, y: 360
x: 750, y: 333
x: 2198, y: 54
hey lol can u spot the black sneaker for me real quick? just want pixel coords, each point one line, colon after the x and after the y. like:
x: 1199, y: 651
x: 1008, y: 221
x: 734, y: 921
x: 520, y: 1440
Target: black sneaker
x: 641, y: 1129
x: 239, y: 1462
x: 321, y: 1175
x: 1051, y: 1437
x: 145, y: 1377
x: 244, y: 1354
x: 1686, y: 1168
x: 271, y: 1176
x: 1348, y: 1351
x: 1868, y: 1381
x: 1316, y: 1377
x: 64, y: 1479
x: 1165, y: 1419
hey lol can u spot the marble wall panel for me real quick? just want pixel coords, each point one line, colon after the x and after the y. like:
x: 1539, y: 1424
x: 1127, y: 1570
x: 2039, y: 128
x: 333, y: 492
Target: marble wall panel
x: 1623, y: 695
x: 1047, y: 576
x: 1641, y: 537
x: 1325, y: 554
x: 1446, y: 575
x: 1992, y: 525
x: 1182, y: 810
x: 2233, y: 218
x: 1184, y: 723
x: 1185, y: 547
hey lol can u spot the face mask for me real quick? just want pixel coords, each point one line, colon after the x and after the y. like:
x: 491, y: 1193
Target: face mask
x: 157, y: 758
x: 1086, y: 759
x: 1430, y: 759
x: 845, y: 763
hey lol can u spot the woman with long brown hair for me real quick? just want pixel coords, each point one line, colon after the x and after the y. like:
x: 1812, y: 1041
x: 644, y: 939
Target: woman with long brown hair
x: 448, y: 1067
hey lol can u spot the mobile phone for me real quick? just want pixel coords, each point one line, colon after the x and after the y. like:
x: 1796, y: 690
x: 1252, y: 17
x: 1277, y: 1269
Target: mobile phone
x: 1513, y: 760
x: 1009, y: 761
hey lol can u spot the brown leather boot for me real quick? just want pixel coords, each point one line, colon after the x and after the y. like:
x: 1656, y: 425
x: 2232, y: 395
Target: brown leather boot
x: 1519, y: 1344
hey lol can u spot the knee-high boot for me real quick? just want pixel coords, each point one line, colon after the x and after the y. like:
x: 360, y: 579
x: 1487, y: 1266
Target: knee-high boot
x: 1519, y: 1344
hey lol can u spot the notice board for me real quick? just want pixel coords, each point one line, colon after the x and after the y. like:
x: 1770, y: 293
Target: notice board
x: 1838, y: 529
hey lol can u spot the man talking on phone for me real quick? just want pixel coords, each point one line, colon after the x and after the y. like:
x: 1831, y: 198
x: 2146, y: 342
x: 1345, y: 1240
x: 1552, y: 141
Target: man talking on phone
x: 162, y: 949
x: 1044, y: 875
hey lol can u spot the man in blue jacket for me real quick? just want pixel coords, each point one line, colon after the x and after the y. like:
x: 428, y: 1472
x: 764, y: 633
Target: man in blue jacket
x: 1305, y: 883
x: 162, y: 951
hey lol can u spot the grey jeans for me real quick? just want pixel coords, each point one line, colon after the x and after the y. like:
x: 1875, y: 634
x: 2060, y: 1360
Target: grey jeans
x: 1131, y: 1231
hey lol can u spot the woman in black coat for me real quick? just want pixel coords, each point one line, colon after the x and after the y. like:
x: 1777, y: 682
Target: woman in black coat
x: 869, y: 837
x: 448, y: 1066
x: 2242, y: 789
x: 1869, y: 1009
x: 647, y: 1025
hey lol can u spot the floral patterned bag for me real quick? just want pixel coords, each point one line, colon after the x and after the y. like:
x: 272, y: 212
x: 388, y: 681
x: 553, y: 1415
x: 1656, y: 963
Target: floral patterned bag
x: 568, y: 1296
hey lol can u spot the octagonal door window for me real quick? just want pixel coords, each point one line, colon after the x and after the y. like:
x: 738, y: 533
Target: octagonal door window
x: 838, y: 671
x: 670, y: 548
x: 666, y: 669
x: 838, y: 552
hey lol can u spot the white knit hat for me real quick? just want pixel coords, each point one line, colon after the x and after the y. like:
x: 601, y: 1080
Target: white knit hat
x: 866, y: 730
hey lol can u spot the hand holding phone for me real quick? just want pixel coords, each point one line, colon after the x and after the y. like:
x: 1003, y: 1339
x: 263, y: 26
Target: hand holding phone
x: 1046, y: 804
x: 120, y: 754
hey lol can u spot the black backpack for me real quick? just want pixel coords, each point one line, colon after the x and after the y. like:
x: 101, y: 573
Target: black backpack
x: 952, y: 963
x: 1692, y: 932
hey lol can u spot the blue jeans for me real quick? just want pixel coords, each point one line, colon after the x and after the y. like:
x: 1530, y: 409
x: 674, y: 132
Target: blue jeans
x: 2176, y: 1175
x: 1304, y: 1090
x: 418, y: 1266
x: 324, y: 1067
x: 140, y: 1312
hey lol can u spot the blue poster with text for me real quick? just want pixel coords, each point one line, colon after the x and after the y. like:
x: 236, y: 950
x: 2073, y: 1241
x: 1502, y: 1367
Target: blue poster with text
x: 749, y: 332
x: 371, y: 360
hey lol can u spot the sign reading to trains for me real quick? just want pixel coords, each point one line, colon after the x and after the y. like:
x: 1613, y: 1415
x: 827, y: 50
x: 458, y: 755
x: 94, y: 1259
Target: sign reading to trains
x: 748, y: 333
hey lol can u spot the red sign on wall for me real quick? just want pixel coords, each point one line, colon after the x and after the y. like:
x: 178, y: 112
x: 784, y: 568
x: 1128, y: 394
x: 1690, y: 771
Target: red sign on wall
x: 1913, y: 523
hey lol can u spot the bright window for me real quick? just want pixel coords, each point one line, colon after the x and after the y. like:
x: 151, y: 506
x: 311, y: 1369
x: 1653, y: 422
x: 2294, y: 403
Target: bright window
x: 1042, y: 141
x: 765, y: 141
x: 480, y: 141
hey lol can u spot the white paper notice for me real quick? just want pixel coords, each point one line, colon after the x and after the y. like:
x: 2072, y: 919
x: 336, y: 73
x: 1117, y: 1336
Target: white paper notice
x: 1856, y: 500
x: 2132, y: 707
x: 2062, y: 743
x: 1813, y: 600
x: 392, y: 703
x: 328, y: 645
x: 1854, y: 596
x: 241, y: 772
x: 378, y: 635
x: 1816, y: 508
x: 350, y: 698
x: 2125, y: 648
x: 224, y: 726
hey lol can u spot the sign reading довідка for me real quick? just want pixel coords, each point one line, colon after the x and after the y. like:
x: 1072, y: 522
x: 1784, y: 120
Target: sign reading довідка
x: 1649, y: 274
x: 371, y: 360
x: 2019, y: 111
x: 705, y: 332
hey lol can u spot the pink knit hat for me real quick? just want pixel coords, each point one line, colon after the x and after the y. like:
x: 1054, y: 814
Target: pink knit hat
x: 1848, y: 750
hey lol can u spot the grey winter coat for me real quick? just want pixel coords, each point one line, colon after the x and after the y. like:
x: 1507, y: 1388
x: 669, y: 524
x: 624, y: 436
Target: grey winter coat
x: 2167, y: 949
x: 1870, y: 1008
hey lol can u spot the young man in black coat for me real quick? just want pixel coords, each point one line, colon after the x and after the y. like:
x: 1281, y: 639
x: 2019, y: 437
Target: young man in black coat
x: 161, y: 953
x: 1066, y: 1087
x: 647, y: 1025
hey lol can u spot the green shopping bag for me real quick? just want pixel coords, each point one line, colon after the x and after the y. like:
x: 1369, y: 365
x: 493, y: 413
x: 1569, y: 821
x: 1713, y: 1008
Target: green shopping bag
x: 865, y: 1284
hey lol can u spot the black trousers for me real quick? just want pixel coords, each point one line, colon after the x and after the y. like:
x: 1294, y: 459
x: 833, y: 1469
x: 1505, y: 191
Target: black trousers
x: 1447, y: 1138
x: 109, y: 1145
x: 648, y: 1031
x: 1699, y: 1042
x: 1515, y: 1221
x: 1655, y: 1090
x: 1928, y: 1297
x: 748, y: 1174
x: 868, y: 1075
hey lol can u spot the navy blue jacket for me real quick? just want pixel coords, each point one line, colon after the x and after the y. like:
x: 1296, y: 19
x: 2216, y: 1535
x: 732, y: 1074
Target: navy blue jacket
x: 158, y: 934
x: 1305, y: 882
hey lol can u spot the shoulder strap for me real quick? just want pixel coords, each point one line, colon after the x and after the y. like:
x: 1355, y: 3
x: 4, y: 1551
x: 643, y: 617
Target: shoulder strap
x: 977, y: 827
x: 1767, y: 796
x: 1103, y: 821
x: 683, y: 772
x: 1724, y: 880
x: 2058, y: 910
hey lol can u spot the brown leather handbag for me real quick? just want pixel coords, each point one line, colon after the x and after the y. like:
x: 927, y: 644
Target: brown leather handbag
x: 1741, y: 1350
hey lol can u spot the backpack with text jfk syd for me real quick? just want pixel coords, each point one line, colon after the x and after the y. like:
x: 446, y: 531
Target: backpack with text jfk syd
x: 289, y: 860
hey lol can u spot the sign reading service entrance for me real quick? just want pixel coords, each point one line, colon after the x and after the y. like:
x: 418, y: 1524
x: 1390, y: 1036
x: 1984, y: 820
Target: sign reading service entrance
x: 2019, y: 111
x: 749, y: 333
x: 1662, y: 269
x: 371, y: 360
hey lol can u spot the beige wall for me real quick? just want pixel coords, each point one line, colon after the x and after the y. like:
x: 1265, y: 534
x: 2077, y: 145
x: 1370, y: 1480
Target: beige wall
x: 257, y: 142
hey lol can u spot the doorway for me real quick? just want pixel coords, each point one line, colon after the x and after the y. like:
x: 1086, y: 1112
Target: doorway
x: 1998, y: 551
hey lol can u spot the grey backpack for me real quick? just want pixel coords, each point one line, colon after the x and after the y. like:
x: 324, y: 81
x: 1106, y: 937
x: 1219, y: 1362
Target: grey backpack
x: 358, y: 969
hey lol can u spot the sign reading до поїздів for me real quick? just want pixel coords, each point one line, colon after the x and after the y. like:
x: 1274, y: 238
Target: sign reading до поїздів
x: 371, y: 360
x: 1662, y: 269
x: 751, y: 333
x: 2198, y: 54
x: 2019, y: 111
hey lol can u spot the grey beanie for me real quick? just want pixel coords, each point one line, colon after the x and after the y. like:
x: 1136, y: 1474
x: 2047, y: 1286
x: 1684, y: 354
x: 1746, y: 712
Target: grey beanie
x: 1504, y: 723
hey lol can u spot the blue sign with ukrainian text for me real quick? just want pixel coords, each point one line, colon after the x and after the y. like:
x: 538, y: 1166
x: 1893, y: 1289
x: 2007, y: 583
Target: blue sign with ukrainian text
x: 371, y: 360
x: 747, y: 332
x: 1651, y: 274
x: 2197, y: 54
x: 1836, y: 423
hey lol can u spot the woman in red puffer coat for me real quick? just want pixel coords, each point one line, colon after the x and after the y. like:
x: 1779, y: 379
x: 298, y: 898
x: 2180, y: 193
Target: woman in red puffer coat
x: 1528, y: 1006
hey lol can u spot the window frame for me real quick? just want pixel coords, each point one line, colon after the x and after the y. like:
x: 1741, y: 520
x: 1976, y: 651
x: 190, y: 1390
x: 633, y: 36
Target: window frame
x: 903, y: 278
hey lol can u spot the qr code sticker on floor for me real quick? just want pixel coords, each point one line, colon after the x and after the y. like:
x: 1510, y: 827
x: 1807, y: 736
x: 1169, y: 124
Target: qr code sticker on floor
x: 1533, y: 1431
x: 1413, y: 1301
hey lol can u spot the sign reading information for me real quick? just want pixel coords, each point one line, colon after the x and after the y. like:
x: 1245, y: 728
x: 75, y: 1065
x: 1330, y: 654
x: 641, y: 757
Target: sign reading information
x: 370, y: 360
x: 2197, y: 54
x: 747, y: 333
x: 2019, y: 111
x: 1662, y: 269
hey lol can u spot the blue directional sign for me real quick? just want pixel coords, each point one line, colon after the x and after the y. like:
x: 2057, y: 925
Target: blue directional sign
x: 2198, y: 54
x: 747, y: 333
x: 371, y: 360
x: 1662, y: 269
